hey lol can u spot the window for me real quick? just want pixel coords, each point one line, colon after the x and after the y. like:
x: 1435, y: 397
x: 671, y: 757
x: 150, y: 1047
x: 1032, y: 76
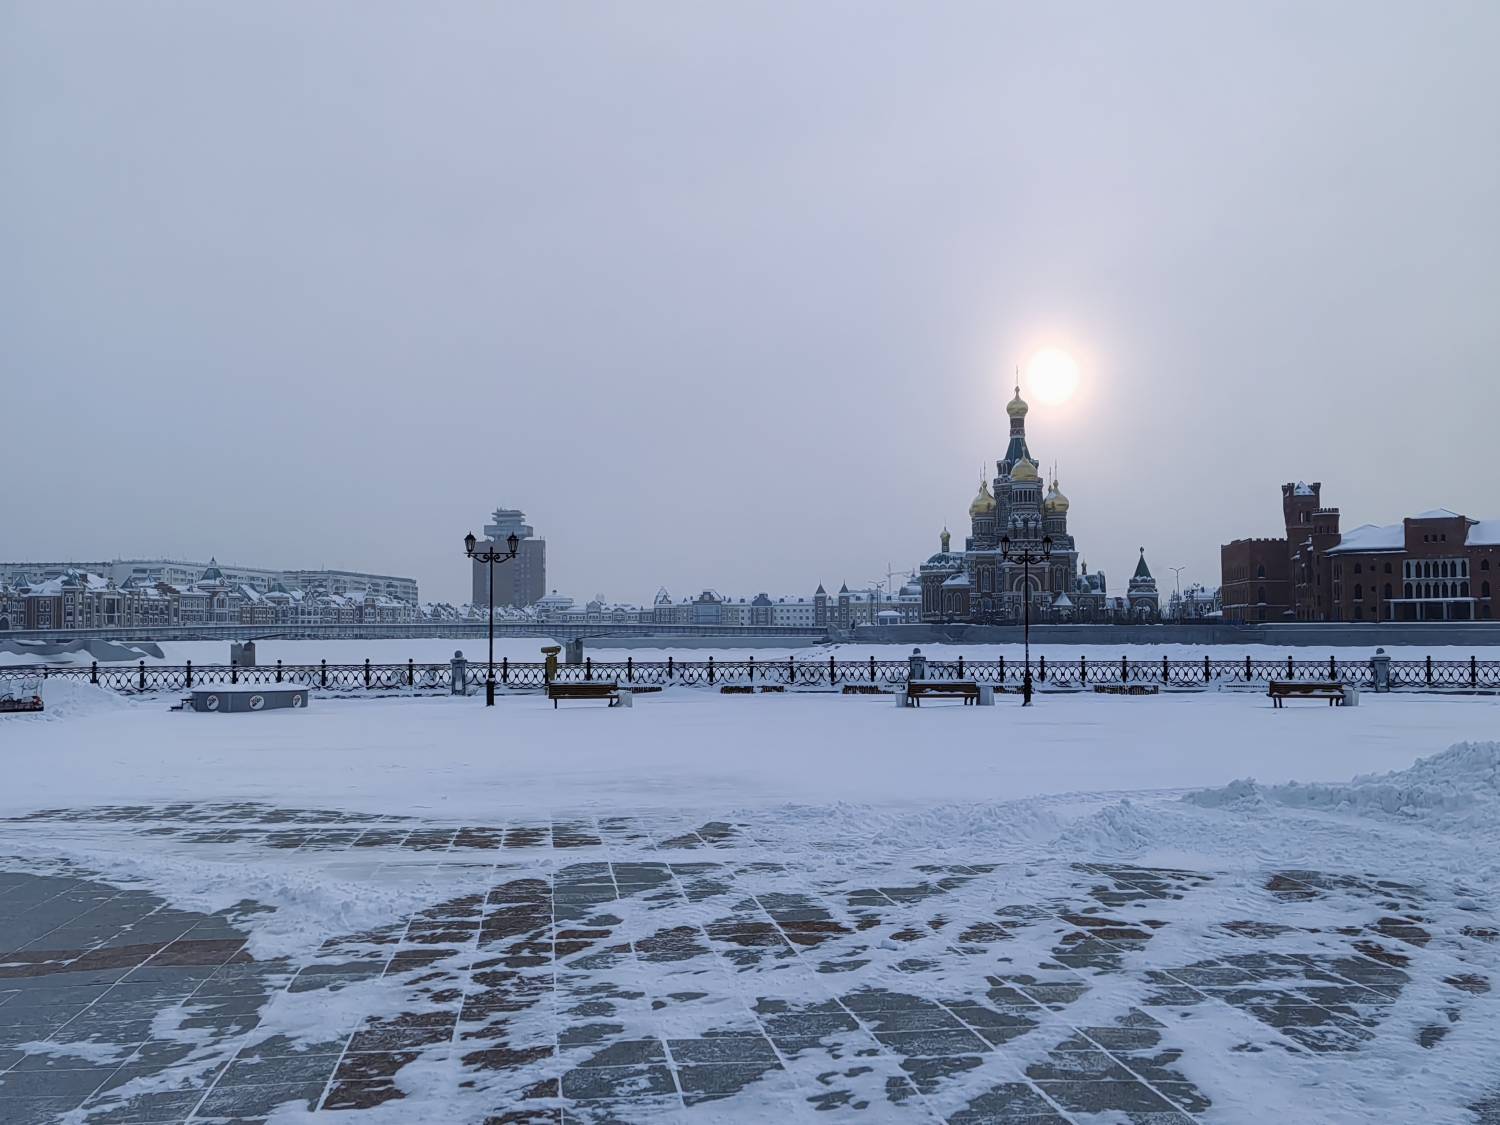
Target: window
x: 1484, y: 590
x: 1359, y: 592
x: 1387, y: 570
x: 1260, y: 571
x: 1357, y: 569
x: 1387, y: 591
x: 1260, y: 593
x: 1484, y: 564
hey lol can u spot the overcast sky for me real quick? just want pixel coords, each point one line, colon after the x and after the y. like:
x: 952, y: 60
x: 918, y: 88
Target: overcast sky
x: 729, y: 294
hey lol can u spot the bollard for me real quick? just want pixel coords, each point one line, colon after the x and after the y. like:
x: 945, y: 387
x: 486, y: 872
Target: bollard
x: 459, y: 668
x: 1380, y: 670
x: 916, y: 665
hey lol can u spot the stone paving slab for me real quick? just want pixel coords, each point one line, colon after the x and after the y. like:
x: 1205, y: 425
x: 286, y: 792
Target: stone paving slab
x: 639, y: 968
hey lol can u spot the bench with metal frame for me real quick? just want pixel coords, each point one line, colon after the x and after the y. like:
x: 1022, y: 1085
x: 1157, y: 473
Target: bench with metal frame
x: 589, y: 689
x: 1331, y: 690
x: 967, y: 690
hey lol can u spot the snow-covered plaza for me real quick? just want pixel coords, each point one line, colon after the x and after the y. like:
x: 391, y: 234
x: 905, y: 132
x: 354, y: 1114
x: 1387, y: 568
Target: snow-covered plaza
x: 795, y: 907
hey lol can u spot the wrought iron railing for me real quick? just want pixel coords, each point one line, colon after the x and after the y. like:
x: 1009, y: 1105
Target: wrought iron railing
x: 786, y: 673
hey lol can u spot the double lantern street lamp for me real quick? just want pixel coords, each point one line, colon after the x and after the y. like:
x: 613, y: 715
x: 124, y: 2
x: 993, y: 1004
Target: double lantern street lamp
x: 1026, y: 556
x: 490, y: 556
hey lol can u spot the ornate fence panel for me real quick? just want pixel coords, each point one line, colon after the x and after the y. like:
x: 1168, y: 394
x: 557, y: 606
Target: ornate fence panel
x: 1081, y: 674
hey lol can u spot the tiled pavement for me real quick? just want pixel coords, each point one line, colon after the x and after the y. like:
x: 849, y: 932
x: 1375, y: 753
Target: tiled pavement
x: 633, y: 969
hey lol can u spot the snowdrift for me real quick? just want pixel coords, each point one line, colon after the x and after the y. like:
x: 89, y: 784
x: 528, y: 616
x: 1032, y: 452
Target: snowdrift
x: 1459, y: 785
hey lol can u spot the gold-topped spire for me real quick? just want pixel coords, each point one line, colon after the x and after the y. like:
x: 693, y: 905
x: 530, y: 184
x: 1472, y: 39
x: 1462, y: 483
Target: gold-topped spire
x: 984, y: 503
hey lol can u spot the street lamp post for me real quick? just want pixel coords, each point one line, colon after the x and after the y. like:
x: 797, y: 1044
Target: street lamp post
x: 1026, y: 556
x: 490, y: 557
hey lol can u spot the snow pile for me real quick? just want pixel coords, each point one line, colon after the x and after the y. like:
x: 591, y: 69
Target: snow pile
x: 1459, y: 786
x: 71, y: 699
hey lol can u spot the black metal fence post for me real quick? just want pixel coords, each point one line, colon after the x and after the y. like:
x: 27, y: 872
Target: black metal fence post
x: 588, y: 667
x: 630, y: 669
x: 367, y: 672
x: 1429, y: 669
x: 1207, y: 674
x: 411, y: 672
x: 833, y: 674
x: 323, y: 673
x: 1247, y: 669
x: 1289, y: 666
x: 1124, y: 671
x: 1083, y: 671
x: 143, y: 675
x: 710, y: 669
x: 1042, y: 668
x: 234, y: 672
x: 791, y: 672
x: 1002, y: 672
x: 752, y: 669
x: 1333, y: 671
x: 1473, y: 671
x: 188, y: 668
x: 94, y: 672
x: 872, y: 668
x: 669, y: 669
x: 960, y: 667
x: 505, y: 670
x: 1166, y: 673
x: 278, y: 671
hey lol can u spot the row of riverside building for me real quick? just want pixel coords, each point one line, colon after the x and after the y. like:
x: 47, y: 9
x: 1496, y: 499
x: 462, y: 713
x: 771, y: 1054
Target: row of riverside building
x: 1438, y: 565
x: 78, y: 598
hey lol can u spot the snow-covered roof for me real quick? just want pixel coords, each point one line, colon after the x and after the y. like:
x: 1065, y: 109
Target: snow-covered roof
x: 1484, y: 533
x: 1063, y: 602
x: 1436, y: 514
x: 959, y: 579
x: 1301, y: 489
x: 1371, y: 537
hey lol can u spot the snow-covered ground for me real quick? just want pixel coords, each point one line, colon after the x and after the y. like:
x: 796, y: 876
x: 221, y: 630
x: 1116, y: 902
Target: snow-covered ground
x: 1094, y: 879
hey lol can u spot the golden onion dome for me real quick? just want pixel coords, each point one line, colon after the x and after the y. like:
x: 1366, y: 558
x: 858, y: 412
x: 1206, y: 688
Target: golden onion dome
x: 1056, y: 501
x: 984, y: 503
x: 1017, y: 407
x: 1023, y: 469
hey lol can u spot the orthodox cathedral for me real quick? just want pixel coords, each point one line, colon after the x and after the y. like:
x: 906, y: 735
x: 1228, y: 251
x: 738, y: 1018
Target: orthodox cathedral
x: 979, y: 585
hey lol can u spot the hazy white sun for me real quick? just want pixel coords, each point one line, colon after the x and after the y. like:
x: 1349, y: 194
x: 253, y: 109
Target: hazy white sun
x: 1052, y: 375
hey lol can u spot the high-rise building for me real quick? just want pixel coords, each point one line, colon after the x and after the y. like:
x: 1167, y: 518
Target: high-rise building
x: 522, y: 581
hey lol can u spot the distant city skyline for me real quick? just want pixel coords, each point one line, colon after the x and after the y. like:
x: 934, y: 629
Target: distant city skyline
x: 730, y: 298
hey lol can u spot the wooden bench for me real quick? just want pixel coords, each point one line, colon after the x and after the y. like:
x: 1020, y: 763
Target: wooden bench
x: 1331, y: 690
x: 589, y: 689
x: 967, y: 690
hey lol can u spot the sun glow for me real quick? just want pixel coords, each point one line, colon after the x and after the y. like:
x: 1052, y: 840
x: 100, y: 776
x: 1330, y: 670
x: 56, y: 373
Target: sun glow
x: 1052, y: 376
